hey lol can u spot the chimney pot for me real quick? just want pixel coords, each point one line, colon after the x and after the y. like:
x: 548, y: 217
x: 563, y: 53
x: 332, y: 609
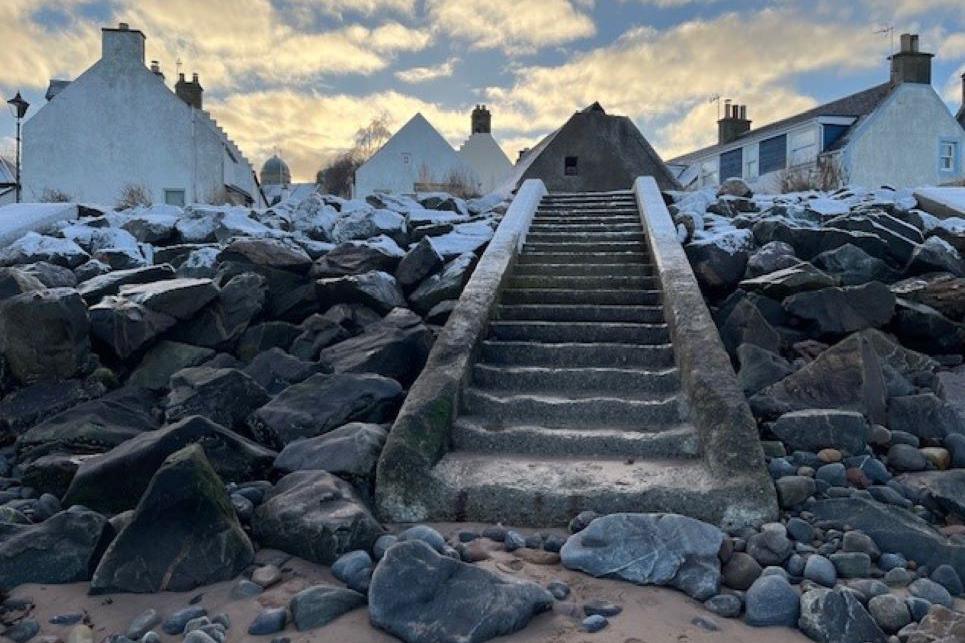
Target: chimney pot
x: 123, y: 26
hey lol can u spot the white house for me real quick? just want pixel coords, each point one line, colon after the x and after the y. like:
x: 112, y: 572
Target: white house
x: 899, y: 133
x: 8, y: 182
x: 415, y: 159
x: 118, y: 125
x: 483, y: 153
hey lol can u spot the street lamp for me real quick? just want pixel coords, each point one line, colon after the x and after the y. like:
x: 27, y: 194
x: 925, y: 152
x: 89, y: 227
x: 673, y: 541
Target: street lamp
x: 18, y: 107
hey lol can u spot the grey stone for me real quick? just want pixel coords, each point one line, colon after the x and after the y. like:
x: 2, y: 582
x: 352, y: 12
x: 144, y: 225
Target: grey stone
x: 180, y: 298
x: 837, y: 617
x: 760, y: 368
x: 726, y: 605
x: 61, y: 549
x: 355, y: 257
x: 275, y: 370
x: 855, y: 541
x: 377, y: 290
x: 225, y: 396
x: 445, y: 285
x: 354, y: 569
x: 418, y: 263
x: 126, y: 327
x: 820, y: 570
x: 316, y: 516
x: 771, y: 601
x: 853, y: 266
x: 417, y: 595
x: 224, y: 320
x: 719, y: 266
x: 322, y: 403
x: 426, y: 534
x: 165, y: 359
x: 770, y: 257
x: 143, y: 623
x: 115, y: 481
x: 44, y: 334
x: 350, y: 451
x: 594, y: 623
x: 816, y: 429
x: 269, y: 621
x: 22, y: 631
x: 924, y: 415
x: 852, y: 564
x: 320, y: 605
x: 33, y: 247
x: 947, y: 577
x: 793, y: 490
x: 272, y: 253
x: 184, y: 533
x: 175, y: 623
x: 844, y: 310
x: 98, y: 287
x: 932, y: 592
x: 658, y: 549
x: 770, y: 547
x: 904, y: 457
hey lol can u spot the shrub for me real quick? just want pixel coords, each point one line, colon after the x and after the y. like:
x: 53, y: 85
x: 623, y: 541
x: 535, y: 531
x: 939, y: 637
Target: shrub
x: 55, y: 196
x: 132, y: 196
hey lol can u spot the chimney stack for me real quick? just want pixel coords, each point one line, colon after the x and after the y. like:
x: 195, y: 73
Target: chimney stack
x: 122, y: 45
x: 734, y: 124
x: 910, y: 65
x: 156, y: 69
x: 191, y: 93
x: 482, y: 120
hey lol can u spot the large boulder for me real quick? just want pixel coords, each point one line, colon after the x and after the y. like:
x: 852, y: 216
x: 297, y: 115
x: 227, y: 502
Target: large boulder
x: 941, y: 291
x: 126, y: 327
x: 649, y: 549
x: 113, y: 482
x: 419, y: 262
x: 44, y: 334
x: 898, y: 247
x: 275, y: 370
x: 317, y: 332
x: 65, y: 548
x: 936, y: 255
x: 290, y: 297
x: 893, y: 529
x: 837, y: 311
x: 419, y: 595
x: 319, y: 605
x: 760, y: 368
x: 225, y: 319
x: 923, y: 328
x: 225, y: 396
x: 163, y: 360
x: 94, y: 289
x: 324, y: 402
x: 180, y: 298
x: 770, y: 257
x: 940, y: 491
x: 92, y: 427
x: 272, y: 253
x: 355, y: 257
x: 395, y: 347
x: 375, y: 289
x: 33, y: 247
x: 837, y: 616
x: 782, y: 283
x: 316, y: 516
x: 26, y: 406
x: 747, y: 325
x: 809, y: 241
x: 925, y: 415
x: 350, y: 451
x: 16, y: 281
x: 719, y: 263
x: 816, y: 429
x: 184, y: 533
x: 465, y: 237
x: 448, y: 284
x: 366, y: 223
x: 852, y: 266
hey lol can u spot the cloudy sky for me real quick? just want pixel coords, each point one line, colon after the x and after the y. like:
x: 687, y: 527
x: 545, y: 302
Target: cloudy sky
x: 300, y: 76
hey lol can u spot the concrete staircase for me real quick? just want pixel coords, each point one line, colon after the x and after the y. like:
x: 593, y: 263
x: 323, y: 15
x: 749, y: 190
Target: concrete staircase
x: 574, y: 401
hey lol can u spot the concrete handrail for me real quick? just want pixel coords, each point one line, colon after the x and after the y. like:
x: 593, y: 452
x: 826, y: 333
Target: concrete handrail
x: 420, y: 434
x: 715, y: 403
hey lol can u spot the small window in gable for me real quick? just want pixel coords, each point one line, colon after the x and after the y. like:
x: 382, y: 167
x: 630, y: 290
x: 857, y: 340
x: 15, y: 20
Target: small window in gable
x: 571, y: 166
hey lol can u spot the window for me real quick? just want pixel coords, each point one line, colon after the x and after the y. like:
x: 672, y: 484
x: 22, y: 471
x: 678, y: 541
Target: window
x: 773, y: 154
x: 832, y: 134
x: 406, y: 158
x: 948, y: 156
x: 730, y: 164
x: 709, y: 173
x: 570, y: 166
x: 804, y: 147
x: 750, y: 162
x: 174, y: 197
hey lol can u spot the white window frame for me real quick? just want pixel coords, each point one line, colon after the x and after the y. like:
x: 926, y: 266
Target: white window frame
x: 802, y: 147
x: 947, y: 156
x: 710, y: 172
x: 751, y: 158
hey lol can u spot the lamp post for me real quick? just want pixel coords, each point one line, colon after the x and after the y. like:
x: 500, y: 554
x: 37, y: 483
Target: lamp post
x: 18, y: 107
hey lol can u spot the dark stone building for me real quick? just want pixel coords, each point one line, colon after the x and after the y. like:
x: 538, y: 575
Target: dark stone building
x: 594, y: 152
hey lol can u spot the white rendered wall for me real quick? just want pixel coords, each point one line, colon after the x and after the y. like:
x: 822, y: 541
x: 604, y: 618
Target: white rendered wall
x: 417, y: 153
x: 899, y: 145
x: 488, y: 160
x: 119, y: 124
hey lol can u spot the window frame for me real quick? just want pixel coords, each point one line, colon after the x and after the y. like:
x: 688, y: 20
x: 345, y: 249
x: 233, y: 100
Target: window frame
x: 954, y: 158
x: 181, y: 191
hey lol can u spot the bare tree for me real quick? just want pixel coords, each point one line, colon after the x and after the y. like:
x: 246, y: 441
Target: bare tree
x: 337, y: 177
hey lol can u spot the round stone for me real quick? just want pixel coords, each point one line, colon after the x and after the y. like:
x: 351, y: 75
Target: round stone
x: 595, y: 623
x: 820, y: 570
x: 726, y: 605
x: 772, y: 601
x: 889, y: 612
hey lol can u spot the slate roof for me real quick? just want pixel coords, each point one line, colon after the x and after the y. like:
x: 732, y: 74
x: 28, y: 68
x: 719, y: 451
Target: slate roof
x: 856, y: 105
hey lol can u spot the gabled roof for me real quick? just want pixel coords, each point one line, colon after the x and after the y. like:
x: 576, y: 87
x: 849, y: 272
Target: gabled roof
x: 960, y: 116
x: 856, y: 105
x: 8, y: 173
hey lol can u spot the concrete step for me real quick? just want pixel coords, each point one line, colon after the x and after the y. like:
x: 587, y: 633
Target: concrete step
x: 573, y: 220
x: 581, y: 332
x: 581, y: 312
x: 625, y: 381
x: 590, y: 226
x: 584, y: 269
x: 588, y: 213
x: 533, y: 257
x: 476, y: 434
x: 605, y: 282
x: 588, y: 247
x: 644, y: 415
x: 602, y: 297
x: 545, y: 491
x: 577, y: 354
x: 580, y: 236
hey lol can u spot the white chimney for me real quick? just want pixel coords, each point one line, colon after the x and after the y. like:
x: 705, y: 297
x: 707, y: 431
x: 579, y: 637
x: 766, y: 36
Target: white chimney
x: 122, y: 44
